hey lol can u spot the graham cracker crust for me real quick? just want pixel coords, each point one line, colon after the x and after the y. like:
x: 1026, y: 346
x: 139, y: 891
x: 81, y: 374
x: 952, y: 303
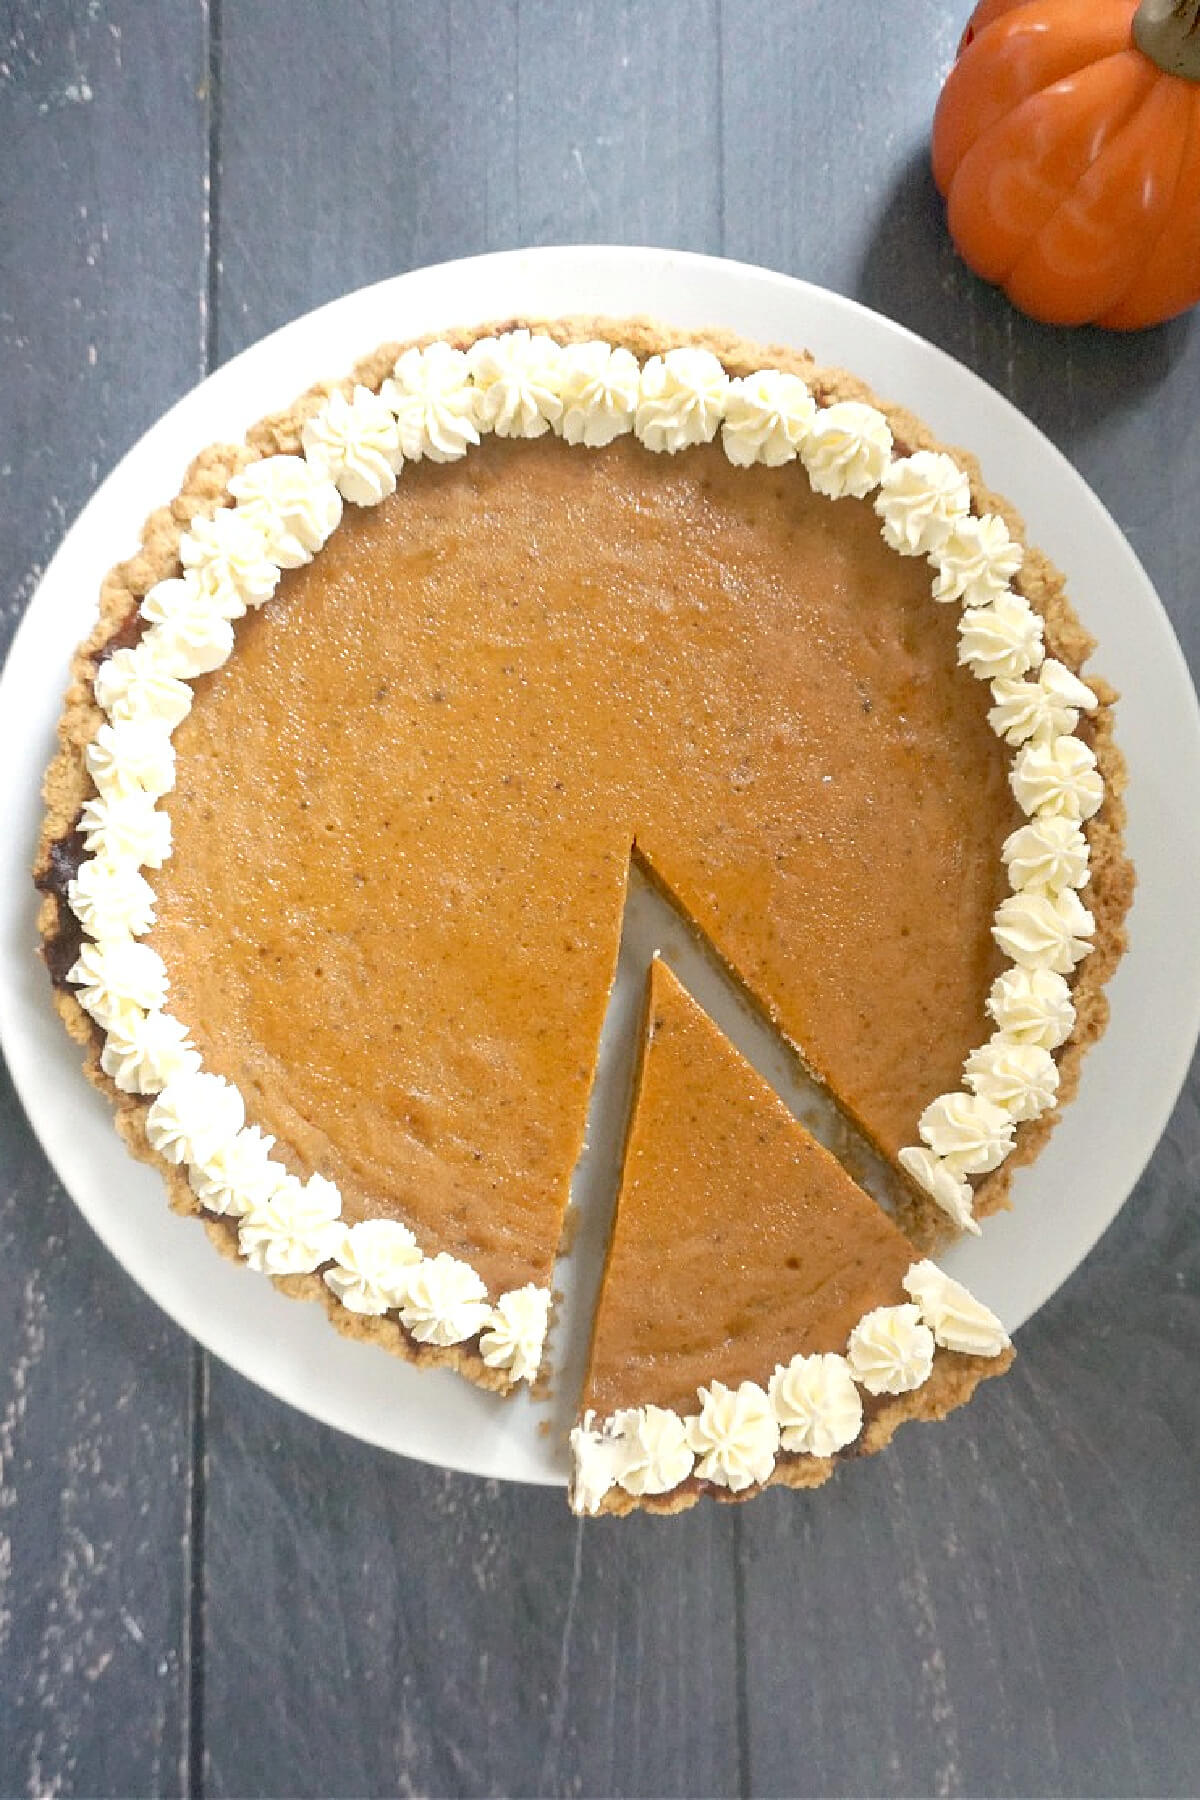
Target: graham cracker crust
x: 67, y: 786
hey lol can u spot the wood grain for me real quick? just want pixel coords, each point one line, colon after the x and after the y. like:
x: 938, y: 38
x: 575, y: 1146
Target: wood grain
x: 102, y: 268
x: 510, y: 1655
x: 1004, y: 1605
x: 456, y: 1636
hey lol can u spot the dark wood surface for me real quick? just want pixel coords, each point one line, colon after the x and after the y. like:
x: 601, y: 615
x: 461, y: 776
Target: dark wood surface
x: 203, y: 1591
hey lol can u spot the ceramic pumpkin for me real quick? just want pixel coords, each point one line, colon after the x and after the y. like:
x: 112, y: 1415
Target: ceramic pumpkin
x: 1067, y: 143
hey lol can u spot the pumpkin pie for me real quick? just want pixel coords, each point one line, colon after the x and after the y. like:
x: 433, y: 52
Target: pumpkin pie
x: 759, y: 1315
x: 354, y: 765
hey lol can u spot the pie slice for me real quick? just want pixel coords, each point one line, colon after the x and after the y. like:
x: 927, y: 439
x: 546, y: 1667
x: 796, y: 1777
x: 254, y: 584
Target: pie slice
x: 759, y: 1315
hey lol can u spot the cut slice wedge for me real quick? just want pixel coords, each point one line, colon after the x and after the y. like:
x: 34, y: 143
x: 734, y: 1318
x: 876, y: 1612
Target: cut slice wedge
x: 759, y: 1315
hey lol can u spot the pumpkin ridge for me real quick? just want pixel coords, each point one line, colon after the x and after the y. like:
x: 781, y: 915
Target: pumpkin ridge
x: 1034, y: 268
x: 1168, y: 281
x: 1168, y: 225
x: 965, y: 113
x: 969, y: 194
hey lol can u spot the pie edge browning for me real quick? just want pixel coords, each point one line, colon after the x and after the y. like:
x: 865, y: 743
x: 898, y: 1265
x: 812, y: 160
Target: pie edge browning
x: 67, y: 783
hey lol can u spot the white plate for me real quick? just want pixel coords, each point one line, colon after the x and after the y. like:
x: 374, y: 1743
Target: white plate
x: 1130, y: 1081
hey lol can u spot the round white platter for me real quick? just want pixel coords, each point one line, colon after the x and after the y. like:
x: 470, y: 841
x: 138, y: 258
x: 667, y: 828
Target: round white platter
x: 1130, y: 1080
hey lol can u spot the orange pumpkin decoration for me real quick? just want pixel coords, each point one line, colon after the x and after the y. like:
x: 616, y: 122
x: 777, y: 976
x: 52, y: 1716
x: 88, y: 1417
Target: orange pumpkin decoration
x: 1067, y: 143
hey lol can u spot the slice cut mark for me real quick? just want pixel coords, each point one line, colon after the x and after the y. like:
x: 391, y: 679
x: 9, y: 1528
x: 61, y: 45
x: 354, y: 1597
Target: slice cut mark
x: 744, y: 1021
x: 739, y: 1243
x: 653, y: 926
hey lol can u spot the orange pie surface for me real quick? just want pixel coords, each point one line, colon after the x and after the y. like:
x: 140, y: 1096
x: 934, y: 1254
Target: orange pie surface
x: 405, y: 811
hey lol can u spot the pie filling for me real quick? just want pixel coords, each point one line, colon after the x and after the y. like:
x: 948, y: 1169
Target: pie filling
x: 404, y: 890
x: 362, y: 982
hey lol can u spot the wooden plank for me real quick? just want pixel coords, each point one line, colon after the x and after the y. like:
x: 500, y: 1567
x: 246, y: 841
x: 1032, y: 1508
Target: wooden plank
x: 101, y: 325
x: 453, y: 1636
x: 826, y: 114
x: 418, y: 1632
x: 94, y: 1452
x: 448, y: 129
x: 367, y: 152
x: 1014, y: 1591
x: 619, y: 123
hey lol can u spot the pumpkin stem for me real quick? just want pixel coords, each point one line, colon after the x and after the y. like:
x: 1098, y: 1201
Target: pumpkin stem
x: 1168, y: 32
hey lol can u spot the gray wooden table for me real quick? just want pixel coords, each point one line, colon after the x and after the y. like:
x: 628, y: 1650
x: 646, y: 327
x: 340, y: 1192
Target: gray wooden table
x: 203, y: 1591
